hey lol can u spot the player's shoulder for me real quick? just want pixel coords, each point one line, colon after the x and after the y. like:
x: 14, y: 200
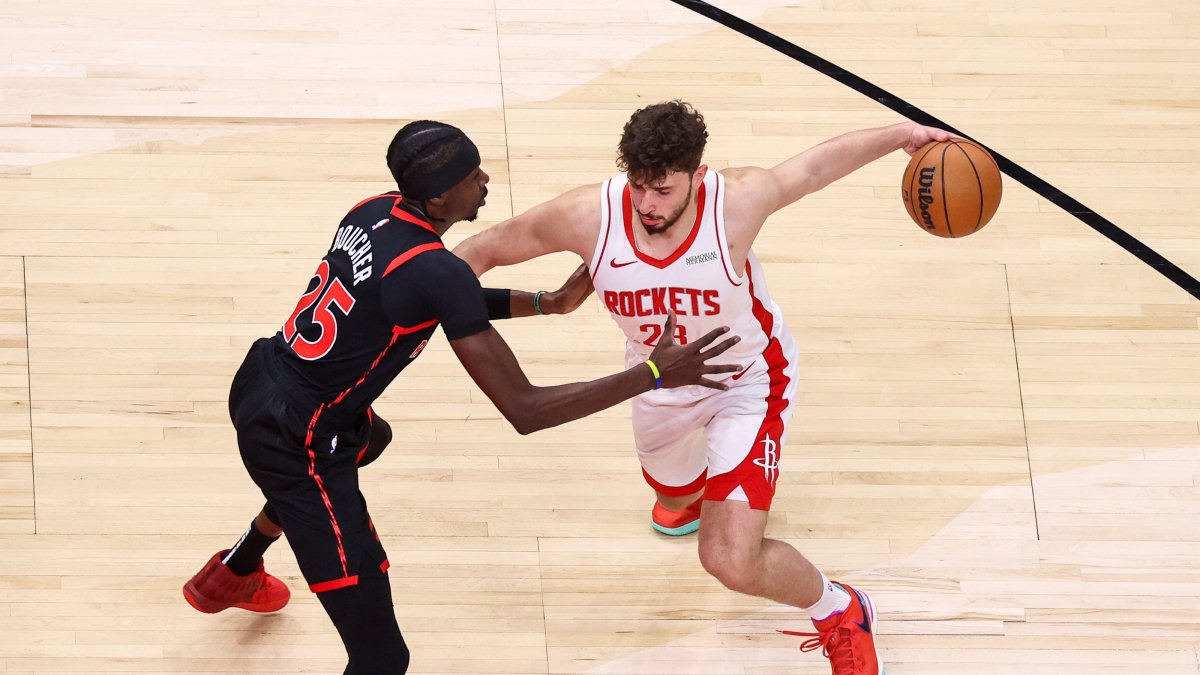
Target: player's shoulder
x: 432, y: 264
x: 751, y: 183
x: 435, y: 254
x: 578, y: 204
x: 583, y: 197
x: 380, y: 203
x: 742, y: 176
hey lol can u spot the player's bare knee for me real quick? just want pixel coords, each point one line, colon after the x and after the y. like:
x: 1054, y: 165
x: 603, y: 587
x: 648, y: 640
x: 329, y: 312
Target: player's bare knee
x: 736, y: 570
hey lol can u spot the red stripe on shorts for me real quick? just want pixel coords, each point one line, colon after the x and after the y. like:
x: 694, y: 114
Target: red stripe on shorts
x: 757, y: 473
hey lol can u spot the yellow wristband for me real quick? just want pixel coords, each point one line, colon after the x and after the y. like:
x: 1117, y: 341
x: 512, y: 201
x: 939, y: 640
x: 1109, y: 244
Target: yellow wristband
x: 657, y: 375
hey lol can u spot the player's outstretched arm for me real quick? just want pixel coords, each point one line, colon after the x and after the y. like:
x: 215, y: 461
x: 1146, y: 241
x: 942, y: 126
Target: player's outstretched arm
x: 761, y: 192
x: 840, y: 156
x: 564, y: 223
x: 492, y: 365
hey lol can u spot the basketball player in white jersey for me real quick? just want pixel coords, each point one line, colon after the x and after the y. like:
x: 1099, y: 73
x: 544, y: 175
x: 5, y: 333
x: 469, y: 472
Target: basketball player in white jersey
x: 670, y: 235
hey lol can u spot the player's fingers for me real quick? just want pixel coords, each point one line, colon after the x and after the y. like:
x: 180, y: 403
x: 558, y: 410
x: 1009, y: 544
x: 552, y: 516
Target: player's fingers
x: 721, y: 347
x: 724, y: 368
x: 709, y: 337
x: 669, y: 326
x: 705, y: 382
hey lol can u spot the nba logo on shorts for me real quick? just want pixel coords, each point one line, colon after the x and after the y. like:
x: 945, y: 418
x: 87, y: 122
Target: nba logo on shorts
x: 769, y: 461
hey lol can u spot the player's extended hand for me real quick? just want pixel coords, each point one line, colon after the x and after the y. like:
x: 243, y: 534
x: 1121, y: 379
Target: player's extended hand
x: 920, y: 136
x: 681, y: 365
x: 572, y: 294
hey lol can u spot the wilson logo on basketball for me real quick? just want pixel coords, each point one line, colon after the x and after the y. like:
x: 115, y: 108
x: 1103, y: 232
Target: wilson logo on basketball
x: 951, y: 188
x: 925, y: 194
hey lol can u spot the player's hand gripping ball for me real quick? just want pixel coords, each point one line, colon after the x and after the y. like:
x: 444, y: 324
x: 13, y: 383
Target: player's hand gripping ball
x: 951, y: 188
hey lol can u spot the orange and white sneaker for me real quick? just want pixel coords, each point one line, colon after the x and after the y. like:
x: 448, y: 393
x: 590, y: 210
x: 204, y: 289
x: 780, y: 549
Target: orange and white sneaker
x: 216, y: 587
x: 847, y: 639
x: 676, y: 523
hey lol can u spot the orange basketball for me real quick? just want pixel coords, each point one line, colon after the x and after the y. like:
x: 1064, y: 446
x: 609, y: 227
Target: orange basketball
x: 951, y: 188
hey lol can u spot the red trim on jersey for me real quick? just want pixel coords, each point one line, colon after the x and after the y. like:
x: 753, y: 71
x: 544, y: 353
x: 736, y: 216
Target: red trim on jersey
x: 397, y: 211
x: 408, y: 330
x: 607, y: 229
x: 396, y: 333
x: 627, y: 213
x: 383, y: 566
x: 371, y: 199
x: 312, y: 471
x: 758, y: 471
x: 410, y: 254
x: 406, y: 216
x: 680, y: 491
x: 722, y: 243
x: 334, y: 584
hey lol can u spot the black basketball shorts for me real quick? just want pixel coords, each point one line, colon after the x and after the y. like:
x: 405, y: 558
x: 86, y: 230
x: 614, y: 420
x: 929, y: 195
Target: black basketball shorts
x: 307, y: 467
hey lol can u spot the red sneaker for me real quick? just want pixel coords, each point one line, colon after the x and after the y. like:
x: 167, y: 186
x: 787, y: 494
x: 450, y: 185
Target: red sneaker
x: 848, y: 639
x: 216, y: 587
x: 676, y: 523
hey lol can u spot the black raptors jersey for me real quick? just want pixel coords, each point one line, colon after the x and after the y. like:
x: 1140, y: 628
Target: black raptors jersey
x: 374, y: 301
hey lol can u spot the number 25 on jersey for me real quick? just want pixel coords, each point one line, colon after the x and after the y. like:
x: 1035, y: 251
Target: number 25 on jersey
x: 328, y: 292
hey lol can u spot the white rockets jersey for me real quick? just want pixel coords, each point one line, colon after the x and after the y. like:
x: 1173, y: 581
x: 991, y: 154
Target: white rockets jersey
x: 697, y: 281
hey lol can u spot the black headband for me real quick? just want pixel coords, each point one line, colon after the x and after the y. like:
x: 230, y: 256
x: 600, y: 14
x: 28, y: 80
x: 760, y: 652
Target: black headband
x: 458, y: 167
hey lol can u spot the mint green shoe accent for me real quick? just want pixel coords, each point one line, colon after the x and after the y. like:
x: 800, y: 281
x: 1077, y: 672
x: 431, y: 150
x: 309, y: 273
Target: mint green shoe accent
x: 686, y: 528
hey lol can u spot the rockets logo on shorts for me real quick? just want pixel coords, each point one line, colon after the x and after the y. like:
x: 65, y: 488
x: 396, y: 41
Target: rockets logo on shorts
x: 770, y: 460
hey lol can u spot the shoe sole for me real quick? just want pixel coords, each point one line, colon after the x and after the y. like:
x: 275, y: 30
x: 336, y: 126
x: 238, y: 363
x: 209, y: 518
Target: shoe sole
x: 203, y: 604
x: 686, y: 528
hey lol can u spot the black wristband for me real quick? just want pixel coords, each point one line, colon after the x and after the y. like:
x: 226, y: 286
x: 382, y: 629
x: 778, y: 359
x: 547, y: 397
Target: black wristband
x: 499, y: 303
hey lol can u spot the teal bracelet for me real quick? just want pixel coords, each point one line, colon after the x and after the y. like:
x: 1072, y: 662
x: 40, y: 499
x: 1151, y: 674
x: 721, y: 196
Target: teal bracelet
x: 537, y: 302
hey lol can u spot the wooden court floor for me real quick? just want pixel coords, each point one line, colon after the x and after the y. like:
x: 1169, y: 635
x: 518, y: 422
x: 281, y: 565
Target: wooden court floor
x: 998, y: 436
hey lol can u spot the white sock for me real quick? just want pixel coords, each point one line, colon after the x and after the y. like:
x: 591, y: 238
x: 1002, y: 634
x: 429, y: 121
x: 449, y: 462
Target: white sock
x: 834, y: 600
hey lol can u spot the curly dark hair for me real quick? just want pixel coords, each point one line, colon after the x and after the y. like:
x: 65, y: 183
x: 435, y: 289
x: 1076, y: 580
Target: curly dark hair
x: 660, y: 139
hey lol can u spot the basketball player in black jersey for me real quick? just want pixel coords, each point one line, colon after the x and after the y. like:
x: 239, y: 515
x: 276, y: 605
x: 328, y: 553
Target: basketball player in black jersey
x: 301, y: 401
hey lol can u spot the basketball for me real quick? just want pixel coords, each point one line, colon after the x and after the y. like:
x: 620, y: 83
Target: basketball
x: 951, y: 188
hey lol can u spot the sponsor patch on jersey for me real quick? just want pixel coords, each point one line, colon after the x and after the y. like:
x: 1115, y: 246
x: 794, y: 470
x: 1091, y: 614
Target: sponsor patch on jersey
x: 700, y: 258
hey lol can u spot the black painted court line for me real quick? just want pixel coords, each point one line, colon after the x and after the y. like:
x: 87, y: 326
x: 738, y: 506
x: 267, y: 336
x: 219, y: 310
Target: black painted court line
x: 1018, y: 173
